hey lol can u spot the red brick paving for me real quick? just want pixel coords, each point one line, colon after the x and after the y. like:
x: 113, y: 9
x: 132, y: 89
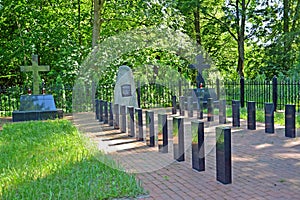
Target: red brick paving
x: 264, y: 166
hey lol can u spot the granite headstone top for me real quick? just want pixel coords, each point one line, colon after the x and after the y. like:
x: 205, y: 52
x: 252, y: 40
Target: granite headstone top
x: 125, y: 91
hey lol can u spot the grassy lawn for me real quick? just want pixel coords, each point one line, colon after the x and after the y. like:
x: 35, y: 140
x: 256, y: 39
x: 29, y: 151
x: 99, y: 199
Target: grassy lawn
x: 52, y: 160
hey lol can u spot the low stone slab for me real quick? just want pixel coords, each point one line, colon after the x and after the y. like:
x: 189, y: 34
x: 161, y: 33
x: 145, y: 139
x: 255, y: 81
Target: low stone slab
x: 36, y: 107
x: 19, y: 116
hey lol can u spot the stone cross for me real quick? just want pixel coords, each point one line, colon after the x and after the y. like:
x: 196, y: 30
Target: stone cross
x: 35, y: 69
x: 200, y: 66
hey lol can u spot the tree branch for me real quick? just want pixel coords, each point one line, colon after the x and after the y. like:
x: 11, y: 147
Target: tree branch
x: 248, y: 3
x: 222, y: 24
x: 296, y: 16
x: 124, y: 19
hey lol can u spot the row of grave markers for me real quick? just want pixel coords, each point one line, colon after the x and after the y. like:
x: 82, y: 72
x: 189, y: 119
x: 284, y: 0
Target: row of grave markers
x: 121, y: 117
x: 116, y: 115
x: 185, y: 103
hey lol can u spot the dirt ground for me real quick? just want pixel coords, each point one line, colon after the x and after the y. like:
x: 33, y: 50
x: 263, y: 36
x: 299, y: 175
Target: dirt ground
x: 4, y: 120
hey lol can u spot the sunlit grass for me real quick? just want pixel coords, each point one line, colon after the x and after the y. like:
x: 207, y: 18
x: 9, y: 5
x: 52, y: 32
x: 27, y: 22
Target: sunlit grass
x: 52, y: 160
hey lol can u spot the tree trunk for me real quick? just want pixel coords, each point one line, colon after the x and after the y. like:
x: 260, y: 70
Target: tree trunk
x: 79, y: 31
x: 197, y: 25
x: 286, y: 43
x: 286, y: 16
x: 296, y: 16
x: 241, y: 24
x: 98, y: 5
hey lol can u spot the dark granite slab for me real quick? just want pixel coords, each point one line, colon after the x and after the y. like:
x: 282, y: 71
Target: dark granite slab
x: 19, y: 116
x: 290, y: 121
x: 150, y: 137
x: 37, y: 103
x: 223, y: 155
x: 198, y: 152
x: 36, y: 107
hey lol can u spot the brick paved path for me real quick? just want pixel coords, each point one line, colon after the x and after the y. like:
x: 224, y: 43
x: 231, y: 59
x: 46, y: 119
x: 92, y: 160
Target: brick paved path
x: 264, y: 166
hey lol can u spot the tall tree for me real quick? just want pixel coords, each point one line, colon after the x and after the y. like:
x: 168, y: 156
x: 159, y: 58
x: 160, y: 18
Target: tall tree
x: 197, y: 22
x: 192, y: 10
x: 98, y: 7
x: 281, y: 41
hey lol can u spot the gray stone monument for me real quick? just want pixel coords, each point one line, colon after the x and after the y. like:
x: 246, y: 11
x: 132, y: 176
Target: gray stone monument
x: 125, y: 91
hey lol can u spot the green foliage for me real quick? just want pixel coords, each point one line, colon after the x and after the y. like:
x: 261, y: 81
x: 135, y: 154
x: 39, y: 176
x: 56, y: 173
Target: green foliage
x: 52, y: 160
x: 49, y: 29
x: 61, y: 32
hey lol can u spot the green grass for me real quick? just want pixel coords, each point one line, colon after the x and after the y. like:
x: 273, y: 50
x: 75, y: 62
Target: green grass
x: 52, y: 160
x: 260, y: 116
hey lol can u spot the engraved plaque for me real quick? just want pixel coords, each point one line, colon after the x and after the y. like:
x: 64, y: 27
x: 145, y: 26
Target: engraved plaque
x: 126, y: 90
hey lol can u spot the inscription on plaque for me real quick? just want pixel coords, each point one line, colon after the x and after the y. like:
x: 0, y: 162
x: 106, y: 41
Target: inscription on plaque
x: 126, y: 90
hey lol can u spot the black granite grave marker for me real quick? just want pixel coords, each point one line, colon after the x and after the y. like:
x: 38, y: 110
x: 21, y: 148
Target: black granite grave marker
x: 195, y: 106
x: 185, y: 105
x: 251, y: 112
x: 236, y: 113
x: 269, y: 118
x: 223, y: 154
x: 97, y: 109
x: 139, y: 124
x: 200, y: 108
x: 290, y: 121
x: 198, y: 156
x: 181, y: 105
x: 178, y: 138
x: 150, y: 139
x: 105, y: 118
x: 123, y: 118
x: 222, y: 112
x: 117, y: 116
x: 100, y: 110
x: 162, y: 134
x: 131, y: 128
x: 174, y: 106
x: 190, y: 106
x: 210, y: 110
x: 111, y: 115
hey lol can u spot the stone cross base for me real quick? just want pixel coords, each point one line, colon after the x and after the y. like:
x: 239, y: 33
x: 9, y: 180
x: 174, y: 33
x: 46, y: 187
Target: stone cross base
x: 36, y: 107
x: 19, y: 116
